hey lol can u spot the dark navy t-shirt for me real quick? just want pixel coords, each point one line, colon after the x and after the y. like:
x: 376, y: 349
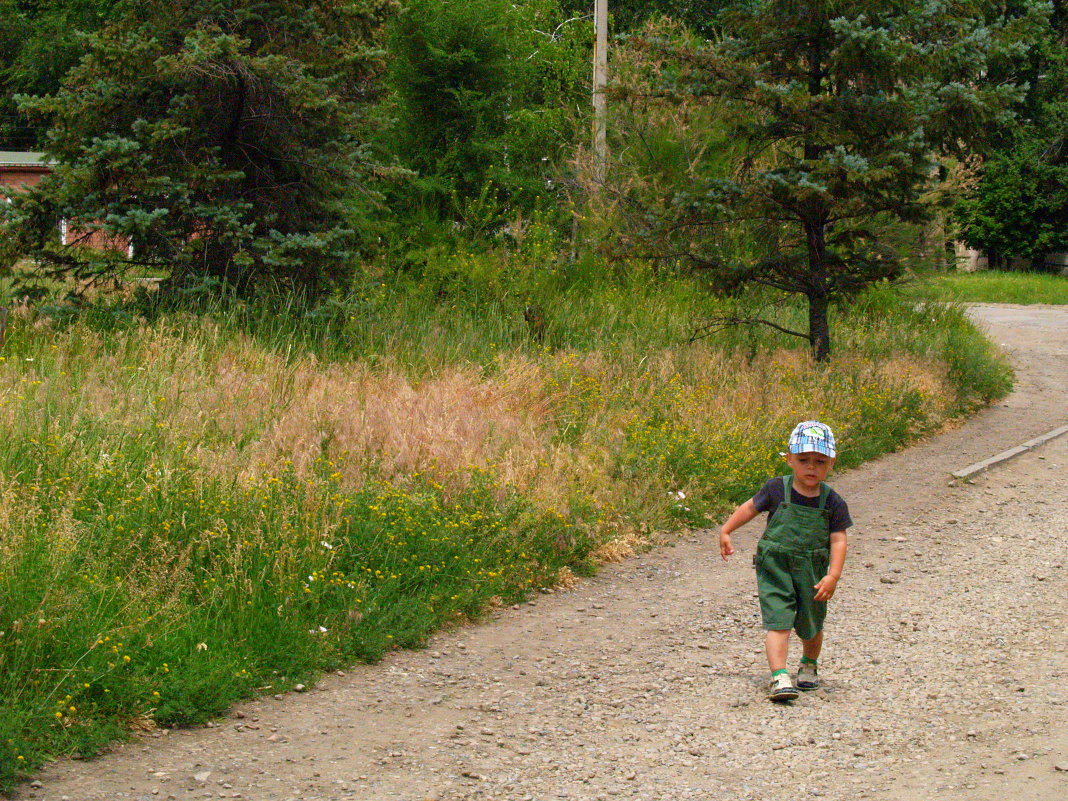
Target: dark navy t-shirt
x: 770, y: 496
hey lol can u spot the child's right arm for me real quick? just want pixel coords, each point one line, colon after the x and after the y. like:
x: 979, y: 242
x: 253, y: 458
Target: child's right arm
x: 742, y: 515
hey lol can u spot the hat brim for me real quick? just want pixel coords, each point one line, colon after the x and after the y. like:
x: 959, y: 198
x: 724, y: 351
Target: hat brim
x: 826, y: 450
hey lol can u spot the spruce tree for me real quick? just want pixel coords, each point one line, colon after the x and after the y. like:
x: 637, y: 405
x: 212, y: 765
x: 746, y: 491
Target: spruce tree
x: 40, y: 40
x: 837, y: 111
x: 222, y: 139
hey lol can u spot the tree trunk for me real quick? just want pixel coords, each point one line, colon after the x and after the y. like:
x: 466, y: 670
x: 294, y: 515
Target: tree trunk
x: 819, y: 331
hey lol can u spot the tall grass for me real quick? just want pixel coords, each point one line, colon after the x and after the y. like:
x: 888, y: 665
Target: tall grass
x: 994, y: 286
x: 201, y: 507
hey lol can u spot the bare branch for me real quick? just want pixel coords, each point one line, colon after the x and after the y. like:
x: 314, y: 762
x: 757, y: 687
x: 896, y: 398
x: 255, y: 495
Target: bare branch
x: 717, y: 324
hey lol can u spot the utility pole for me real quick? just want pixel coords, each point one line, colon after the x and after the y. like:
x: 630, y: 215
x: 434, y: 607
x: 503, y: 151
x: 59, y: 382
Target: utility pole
x: 600, y: 80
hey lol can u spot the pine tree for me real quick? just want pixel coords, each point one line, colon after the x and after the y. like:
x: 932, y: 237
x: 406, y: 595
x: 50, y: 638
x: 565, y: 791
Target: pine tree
x: 222, y: 139
x: 838, y: 112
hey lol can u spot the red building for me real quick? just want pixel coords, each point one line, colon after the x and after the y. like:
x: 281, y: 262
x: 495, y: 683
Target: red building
x: 19, y: 170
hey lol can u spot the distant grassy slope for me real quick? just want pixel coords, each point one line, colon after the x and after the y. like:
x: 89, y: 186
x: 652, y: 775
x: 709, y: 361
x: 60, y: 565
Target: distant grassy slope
x: 993, y: 286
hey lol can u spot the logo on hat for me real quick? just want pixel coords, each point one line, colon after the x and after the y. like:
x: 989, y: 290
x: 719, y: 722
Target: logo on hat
x: 812, y: 436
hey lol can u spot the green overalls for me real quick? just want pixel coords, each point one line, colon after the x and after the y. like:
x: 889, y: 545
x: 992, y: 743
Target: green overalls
x: 791, y: 558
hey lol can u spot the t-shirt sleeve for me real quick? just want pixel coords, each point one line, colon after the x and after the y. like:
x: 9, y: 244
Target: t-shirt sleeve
x: 840, y: 519
x: 765, y: 497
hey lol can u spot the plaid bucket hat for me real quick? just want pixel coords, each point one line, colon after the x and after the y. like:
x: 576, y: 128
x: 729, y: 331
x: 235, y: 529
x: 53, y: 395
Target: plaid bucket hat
x: 810, y: 436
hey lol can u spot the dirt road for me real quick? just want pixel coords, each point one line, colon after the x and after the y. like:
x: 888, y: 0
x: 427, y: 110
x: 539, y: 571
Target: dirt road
x: 946, y: 665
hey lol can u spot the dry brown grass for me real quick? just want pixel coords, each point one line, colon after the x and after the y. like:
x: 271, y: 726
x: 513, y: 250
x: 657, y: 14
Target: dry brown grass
x: 565, y: 579
x: 241, y: 411
x: 618, y: 549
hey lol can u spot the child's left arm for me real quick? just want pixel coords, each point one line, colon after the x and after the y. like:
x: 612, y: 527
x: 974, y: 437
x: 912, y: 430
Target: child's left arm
x: 827, y: 585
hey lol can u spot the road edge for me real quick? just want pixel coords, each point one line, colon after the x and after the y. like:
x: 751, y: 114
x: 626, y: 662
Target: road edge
x: 973, y: 470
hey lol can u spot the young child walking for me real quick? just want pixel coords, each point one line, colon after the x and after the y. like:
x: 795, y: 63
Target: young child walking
x: 800, y: 557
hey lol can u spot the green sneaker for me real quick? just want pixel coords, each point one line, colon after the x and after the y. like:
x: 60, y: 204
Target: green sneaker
x: 781, y: 688
x: 807, y: 677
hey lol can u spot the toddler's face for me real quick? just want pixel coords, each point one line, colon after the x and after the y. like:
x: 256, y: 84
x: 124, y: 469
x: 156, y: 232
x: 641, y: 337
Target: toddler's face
x: 809, y: 469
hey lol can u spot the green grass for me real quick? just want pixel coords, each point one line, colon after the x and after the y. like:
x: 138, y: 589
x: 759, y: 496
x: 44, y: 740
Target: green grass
x: 136, y: 584
x: 200, y: 507
x: 993, y: 286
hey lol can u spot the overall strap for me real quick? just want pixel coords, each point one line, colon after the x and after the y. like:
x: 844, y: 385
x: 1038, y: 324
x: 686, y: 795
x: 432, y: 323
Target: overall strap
x: 788, y: 483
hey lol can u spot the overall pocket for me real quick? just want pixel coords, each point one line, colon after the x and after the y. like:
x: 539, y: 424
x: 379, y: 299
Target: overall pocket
x: 758, y: 557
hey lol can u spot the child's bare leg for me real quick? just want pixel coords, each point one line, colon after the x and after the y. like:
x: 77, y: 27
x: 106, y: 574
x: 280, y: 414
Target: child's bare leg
x: 777, y: 645
x: 811, y: 648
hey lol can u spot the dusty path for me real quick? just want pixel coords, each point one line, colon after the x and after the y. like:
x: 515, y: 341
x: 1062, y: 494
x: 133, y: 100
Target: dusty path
x: 946, y: 667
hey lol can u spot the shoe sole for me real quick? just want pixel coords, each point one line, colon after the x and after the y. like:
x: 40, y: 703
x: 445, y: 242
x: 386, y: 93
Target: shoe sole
x: 783, y: 695
x: 808, y: 687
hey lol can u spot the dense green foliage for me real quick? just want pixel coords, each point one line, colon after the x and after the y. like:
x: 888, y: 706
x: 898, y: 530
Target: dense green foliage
x: 626, y: 16
x: 226, y: 150
x: 39, y: 42
x: 485, y: 97
x: 220, y: 140
x: 1018, y: 207
x: 839, y: 110
x: 803, y: 135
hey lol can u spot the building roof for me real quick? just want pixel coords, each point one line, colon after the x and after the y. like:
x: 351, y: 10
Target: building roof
x: 22, y: 158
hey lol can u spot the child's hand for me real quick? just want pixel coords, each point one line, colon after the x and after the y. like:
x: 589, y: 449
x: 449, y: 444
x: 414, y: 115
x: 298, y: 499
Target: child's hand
x: 825, y: 588
x: 725, y: 547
